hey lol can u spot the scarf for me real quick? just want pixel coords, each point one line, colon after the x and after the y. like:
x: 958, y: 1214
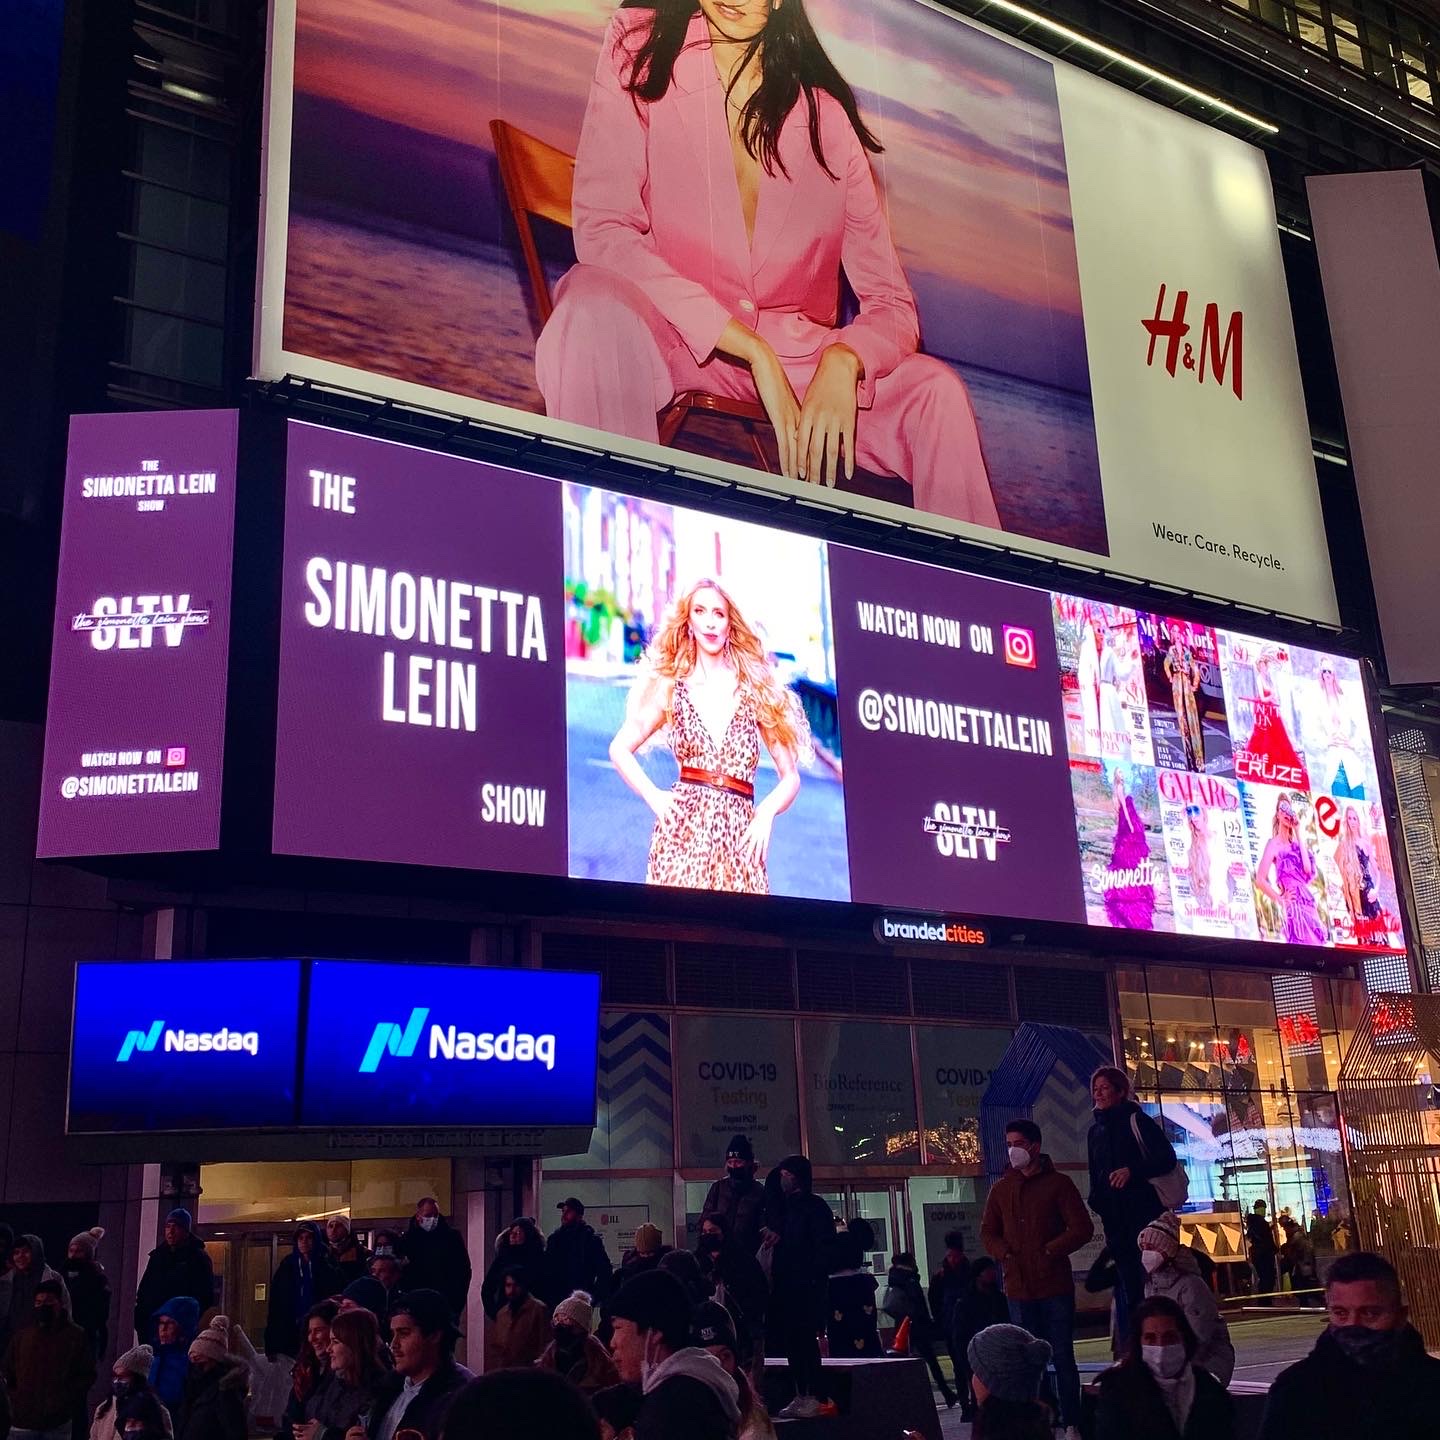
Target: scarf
x: 1179, y: 1395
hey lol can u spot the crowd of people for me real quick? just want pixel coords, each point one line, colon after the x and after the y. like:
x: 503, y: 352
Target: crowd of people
x: 670, y: 1343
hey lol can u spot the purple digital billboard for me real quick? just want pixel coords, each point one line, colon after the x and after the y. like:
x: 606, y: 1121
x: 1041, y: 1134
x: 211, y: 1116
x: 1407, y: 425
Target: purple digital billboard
x: 135, y: 738
x: 486, y: 669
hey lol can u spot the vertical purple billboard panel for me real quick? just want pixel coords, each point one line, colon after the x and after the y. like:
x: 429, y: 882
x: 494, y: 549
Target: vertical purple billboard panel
x: 957, y: 785
x: 422, y: 670
x: 135, y: 737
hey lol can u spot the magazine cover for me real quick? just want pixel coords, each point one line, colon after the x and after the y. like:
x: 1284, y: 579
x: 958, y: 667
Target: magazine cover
x: 1260, y: 703
x: 1122, y: 846
x: 1334, y: 725
x: 1102, y: 681
x: 1292, y: 902
x: 1208, y: 855
x: 1185, y: 694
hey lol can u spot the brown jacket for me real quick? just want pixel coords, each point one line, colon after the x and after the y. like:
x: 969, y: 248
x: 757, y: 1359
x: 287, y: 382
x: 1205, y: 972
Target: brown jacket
x: 521, y: 1335
x: 1032, y: 1225
x: 48, y: 1373
x: 593, y: 1371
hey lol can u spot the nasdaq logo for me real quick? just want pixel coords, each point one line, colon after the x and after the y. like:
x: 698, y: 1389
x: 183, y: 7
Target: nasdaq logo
x: 189, y: 1042
x: 135, y: 1040
x: 389, y: 1036
x: 447, y: 1042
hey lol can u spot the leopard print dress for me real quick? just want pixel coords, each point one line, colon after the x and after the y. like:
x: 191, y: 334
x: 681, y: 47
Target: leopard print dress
x: 698, y: 845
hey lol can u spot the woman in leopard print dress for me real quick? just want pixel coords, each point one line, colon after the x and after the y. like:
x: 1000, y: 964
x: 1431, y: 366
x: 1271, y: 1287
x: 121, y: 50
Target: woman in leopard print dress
x: 706, y: 682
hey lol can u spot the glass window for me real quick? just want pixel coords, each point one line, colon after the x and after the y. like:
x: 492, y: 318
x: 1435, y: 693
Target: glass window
x: 282, y: 1192
x: 1135, y: 1031
x: 633, y: 1125
x: 1183, y: 1022
x: 860, y: 1093
x: 942, y: 1203
x: 736, y: 1074
x: 955, y: 1068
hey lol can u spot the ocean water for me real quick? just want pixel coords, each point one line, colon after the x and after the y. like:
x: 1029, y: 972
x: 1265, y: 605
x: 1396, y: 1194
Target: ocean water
x: 458, y: 319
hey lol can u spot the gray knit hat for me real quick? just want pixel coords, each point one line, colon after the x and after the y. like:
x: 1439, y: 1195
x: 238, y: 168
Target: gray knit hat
x: 136, y: 1361
x: 1009, y: 1361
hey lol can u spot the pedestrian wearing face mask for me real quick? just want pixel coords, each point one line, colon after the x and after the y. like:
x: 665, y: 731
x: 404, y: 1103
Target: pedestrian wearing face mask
x: 737, y: 1282
x: 1159, y: 1391
x: 435, y: 1256
x: 1171, y: 1270
x: 129, y: 1382
x: 1368, y: 1377
x: 48, y: 1369
x: 1034, y: 1221
x: 737, y: 1197
x: 573, y: 1351
x: 89, y: 1288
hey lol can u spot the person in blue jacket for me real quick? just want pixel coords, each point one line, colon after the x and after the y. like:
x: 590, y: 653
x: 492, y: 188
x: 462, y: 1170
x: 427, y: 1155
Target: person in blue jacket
x: 176, y: 1323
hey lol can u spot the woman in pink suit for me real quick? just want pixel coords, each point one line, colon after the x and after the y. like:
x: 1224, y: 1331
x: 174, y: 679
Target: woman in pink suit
x: 722, y: 185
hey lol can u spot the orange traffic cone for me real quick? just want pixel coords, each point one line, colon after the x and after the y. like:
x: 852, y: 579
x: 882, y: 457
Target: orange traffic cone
x: 901, y: 1343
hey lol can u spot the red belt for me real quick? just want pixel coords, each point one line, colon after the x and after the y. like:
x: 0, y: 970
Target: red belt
x: 716, y: 781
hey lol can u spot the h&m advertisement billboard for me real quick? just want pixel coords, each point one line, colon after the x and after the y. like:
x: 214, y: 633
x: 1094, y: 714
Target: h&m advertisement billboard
x: 1021, y: 303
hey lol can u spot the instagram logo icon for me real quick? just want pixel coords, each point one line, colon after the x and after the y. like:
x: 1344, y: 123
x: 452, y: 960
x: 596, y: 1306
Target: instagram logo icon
x: 1019, y: 647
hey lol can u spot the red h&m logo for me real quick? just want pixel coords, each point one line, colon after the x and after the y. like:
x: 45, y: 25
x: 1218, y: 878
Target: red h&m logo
x: 1216, y: 355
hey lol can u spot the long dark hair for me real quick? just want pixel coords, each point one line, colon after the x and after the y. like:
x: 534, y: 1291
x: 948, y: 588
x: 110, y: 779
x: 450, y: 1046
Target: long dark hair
x: 794, y: 62
x: 1157, y: 1305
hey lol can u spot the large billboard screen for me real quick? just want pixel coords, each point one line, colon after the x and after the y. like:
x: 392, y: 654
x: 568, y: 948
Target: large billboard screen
x: 135, y: 730
x: 171, y: 1045
x: 1016, y: 301
x: 469, y: 1045
x: 483, y: 668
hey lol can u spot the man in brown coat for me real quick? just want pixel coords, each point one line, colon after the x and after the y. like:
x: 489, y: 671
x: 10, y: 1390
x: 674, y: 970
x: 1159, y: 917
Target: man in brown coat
x: 1034, y: 1221
x: 48, y: 1369
x: 522, y: 1326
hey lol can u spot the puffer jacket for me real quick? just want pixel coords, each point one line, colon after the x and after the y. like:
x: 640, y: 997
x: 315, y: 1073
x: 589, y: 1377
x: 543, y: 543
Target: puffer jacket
x: 1179, y: 1280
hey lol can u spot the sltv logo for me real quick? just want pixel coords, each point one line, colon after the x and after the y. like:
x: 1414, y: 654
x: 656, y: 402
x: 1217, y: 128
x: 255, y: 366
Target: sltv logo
x: 447, y: 1042
x: 188, y: 1042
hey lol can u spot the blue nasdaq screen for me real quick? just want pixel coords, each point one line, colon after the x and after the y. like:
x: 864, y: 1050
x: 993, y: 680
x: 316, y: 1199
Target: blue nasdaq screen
x: 184, y: 1045
x: 450, y: 1045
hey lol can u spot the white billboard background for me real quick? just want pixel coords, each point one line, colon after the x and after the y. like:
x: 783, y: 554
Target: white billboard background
x: 1203, y: 489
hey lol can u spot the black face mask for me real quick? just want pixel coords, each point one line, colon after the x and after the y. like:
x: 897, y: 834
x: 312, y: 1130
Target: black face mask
x: 46, y: 1318
x: 123, y: 1389
x: 712, y: 1244
x: 1365, y: 1346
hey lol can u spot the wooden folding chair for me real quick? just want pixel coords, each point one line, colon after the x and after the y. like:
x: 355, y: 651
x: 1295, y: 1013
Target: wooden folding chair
x: 539, y: 180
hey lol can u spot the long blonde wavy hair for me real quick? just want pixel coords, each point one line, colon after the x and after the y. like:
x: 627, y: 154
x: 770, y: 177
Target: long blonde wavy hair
x: 672, y: 655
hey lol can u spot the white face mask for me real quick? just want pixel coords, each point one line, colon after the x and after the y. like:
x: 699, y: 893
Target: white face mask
x: 1152, y: 1260
x: 428, y: 1222
x: 1019, y: 1156
x: 1165, y: 1361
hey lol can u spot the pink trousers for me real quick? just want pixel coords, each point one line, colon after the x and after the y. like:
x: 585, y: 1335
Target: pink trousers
x: 608, y: 359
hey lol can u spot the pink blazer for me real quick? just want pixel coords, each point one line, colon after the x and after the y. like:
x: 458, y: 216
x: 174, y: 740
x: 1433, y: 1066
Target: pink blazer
x: 656, y: 201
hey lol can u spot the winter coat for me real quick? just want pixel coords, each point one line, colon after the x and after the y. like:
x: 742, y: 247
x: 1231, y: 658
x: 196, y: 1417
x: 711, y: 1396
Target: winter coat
x: 521, y: 1332
x: 437, y: 1260
x: 23, y: 1287
x: 948, y: 1287
x: 1179, y: 1280
x: 741, y: 1287
x: 688, y: 1396
x: 1327, y: 1396
x: 904, y: 1299
x: 89, y: 1288
x: 575, y: 1259
x: 799, y: 1265
x: 285, y: 1317
x: 185, y: 1270
x: 427, y: 1409
x: 980, y: 1309
x: 852, y: 1322
x: 1111, y: 1145
x: 352, y: 1262
x: 171, y: 1364
x: 740, y: 1207
x: 530, y: 1254
x: 214, y: 1407
x: 338, y: 1406
x: 1259, y: 1237
x: 593, y: 1371
x: 49, y: 1371
x: 1132, y: 1407
x: 106, y: 1423
x: 1033, y: 1224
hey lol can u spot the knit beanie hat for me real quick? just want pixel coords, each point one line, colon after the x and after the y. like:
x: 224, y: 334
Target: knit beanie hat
x: 89, y: 1239
x: 368, y: 1293
x: 1009, y: 1361
x: 137, y: 1361
x: 182, y: 1217
x: 578, y: 1310
x: 213, y: 1342
x: 654, y: 1301
x: 647, y: 1239
x: 1162, y: 1234
x: 740, y: 1148
x: 713, y: 1325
